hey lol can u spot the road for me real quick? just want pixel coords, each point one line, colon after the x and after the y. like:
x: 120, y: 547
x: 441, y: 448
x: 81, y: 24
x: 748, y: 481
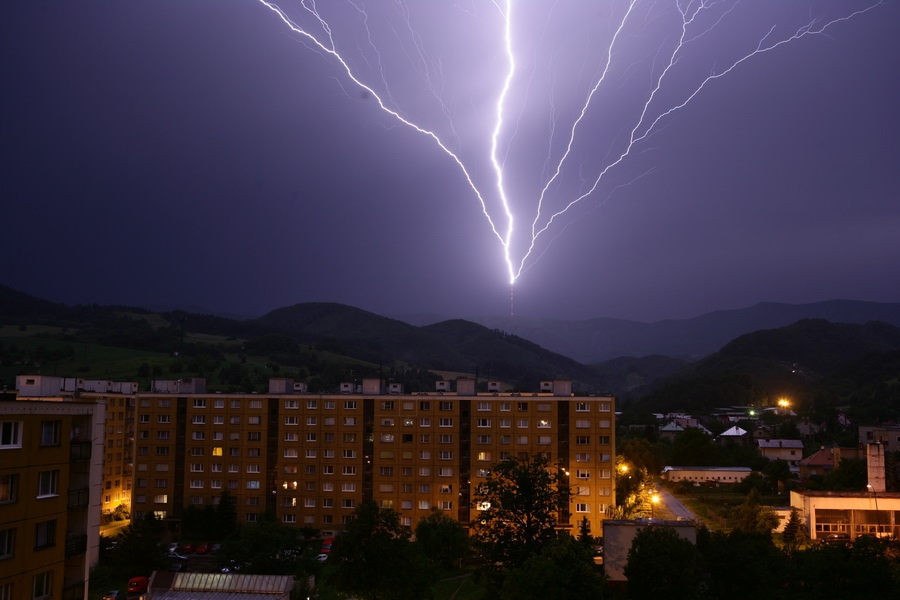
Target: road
x: 671, y: 507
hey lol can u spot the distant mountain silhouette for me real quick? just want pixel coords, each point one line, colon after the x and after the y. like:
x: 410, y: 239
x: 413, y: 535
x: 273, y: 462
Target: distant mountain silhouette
x: 596, y: 340
x: 818, y: 364
x: 725, y: 357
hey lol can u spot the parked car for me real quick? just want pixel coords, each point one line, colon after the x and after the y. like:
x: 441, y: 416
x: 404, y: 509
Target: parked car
x: 176, y: 556
x: 203, y: 548
x: 137, y: 585
x: 836, y: 538
x: 115, y: 595
x: 327, y: 543
x: 186, y: 548
x: 322, y: 557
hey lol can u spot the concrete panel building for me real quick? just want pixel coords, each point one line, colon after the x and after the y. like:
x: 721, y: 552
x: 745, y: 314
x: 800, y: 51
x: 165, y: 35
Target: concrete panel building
x: 51, y: 459
x: 313, y: 458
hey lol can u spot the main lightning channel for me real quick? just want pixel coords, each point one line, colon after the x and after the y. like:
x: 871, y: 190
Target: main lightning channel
x: 645, y: 125
x: 331, y: 49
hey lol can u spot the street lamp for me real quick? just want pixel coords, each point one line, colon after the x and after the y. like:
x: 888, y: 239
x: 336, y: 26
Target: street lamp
x: 654, y: 500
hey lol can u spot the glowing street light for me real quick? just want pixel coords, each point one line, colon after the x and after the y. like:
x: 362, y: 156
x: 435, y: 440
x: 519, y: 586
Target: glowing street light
x: 654, y: 500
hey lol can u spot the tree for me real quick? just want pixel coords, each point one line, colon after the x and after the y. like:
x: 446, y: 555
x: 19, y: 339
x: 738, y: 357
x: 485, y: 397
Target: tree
x: 849, y: 476
x: 750, y: 517
x: 267, y: 546
x: 374, y: 558
x: 226, y: 522
x: 742, y: 564
x: 662, y: 564
x: 779, y: 474
x: 793, y: 533
x: 517, y: 509
x: 441, y: 538
x: 562, y: 570
x: 138, y: 551
x: 584, y: 532
x: 693, y: 448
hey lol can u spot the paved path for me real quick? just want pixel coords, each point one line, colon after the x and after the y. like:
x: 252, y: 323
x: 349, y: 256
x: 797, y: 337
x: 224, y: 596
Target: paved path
x: 673, y: 505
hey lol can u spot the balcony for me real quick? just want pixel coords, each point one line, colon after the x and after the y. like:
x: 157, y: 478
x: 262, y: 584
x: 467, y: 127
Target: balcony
x: 76, y: 544
x: 80, y: 451
x: 79, y: 498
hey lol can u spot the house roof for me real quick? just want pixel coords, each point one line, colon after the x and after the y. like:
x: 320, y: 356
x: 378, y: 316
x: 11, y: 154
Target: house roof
x: 671, y: 427
x: 821, y: 458
x: 729, y: 469
x: 734, y: 432
x: 220, y: 586
x: 793, y: 444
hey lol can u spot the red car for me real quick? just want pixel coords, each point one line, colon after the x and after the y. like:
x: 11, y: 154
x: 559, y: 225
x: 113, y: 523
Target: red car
x: 137, y: 585
x: 204, y: 548
x: 186, y: 548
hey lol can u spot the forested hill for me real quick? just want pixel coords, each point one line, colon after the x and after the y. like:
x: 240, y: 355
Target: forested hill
x: 819, y: 365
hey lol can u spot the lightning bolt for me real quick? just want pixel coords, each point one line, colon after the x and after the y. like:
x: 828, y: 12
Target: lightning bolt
x: 698, y: 18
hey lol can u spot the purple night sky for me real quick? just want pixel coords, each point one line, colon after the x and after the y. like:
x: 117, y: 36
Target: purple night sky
x: 201, y: 154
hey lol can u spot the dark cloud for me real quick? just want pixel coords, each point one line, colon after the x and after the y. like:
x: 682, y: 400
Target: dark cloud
x: 201, y: 153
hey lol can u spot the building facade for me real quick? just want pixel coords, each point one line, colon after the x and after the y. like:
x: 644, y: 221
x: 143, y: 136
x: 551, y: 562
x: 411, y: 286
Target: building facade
x: 118, y: 428
x: 706, y: 475
x: 311, y: 459
x: 51, y: 459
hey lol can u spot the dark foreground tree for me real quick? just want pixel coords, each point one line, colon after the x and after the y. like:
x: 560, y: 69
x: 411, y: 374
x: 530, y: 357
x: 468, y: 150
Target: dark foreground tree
x: 441, y: 538
x: 138, y: 550
x: 793, y: 535
x: 742, y: 564
x: 563, y: 569
x: 517, y: 508
x: 265, y: 547
x: 662, y: 564
x: 374, y: 558
x: 751, y: 517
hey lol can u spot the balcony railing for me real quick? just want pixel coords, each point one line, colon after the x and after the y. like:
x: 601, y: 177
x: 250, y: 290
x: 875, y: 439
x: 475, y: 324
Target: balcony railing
x: 79, y: 498
x: 80, y: 451
x: 76, y: 544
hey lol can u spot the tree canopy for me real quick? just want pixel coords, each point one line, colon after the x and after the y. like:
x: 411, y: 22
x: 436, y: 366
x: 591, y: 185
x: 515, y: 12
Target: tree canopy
x: 563, y: 569
x: 375, y: 559
x: 517, y: 508
x: 662, y: 564
x: 441, y: 538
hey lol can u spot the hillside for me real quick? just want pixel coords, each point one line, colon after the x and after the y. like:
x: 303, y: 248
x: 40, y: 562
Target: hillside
x: 596, y: 340
x: 321, y: 343
x: 816, y: 363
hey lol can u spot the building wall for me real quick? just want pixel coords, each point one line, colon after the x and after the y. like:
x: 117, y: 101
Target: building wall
x: 313, y: 458
x: 860, y: 513
x: 705, y: 475
x: 889, y: 436
x: 50, y: 475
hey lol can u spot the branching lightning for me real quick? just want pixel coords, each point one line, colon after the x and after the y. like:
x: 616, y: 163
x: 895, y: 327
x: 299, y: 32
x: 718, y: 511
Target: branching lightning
x: 697, y: 19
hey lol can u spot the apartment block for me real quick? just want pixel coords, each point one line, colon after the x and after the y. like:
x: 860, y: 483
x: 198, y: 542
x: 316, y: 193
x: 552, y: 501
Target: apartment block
x: 310, y: 459
x: 117, y: 431
x: 51, y: 458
